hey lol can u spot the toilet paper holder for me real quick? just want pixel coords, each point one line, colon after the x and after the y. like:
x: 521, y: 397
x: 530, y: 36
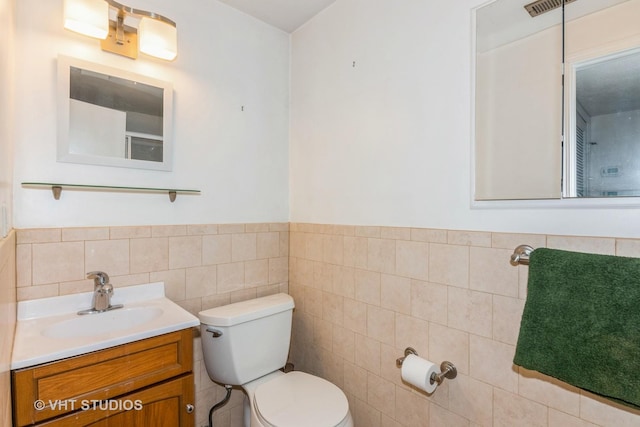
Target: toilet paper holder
x: 447, y: 369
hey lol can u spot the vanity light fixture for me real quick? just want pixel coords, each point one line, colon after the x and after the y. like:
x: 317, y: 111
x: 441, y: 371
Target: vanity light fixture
x: 155, y: 34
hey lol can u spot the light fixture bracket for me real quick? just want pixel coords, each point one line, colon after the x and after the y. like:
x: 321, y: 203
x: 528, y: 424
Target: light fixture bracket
x: 122, y: 39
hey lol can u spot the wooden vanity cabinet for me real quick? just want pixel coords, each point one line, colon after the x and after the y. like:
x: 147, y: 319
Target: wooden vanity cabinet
x: 163, y: 405
x: 143, y: 383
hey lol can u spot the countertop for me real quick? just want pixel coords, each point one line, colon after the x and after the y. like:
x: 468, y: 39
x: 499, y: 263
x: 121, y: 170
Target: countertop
x: 32, y: 345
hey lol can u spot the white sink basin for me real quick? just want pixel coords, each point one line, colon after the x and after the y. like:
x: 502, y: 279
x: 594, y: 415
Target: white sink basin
x: 101, y: 323
x: 49, y: 329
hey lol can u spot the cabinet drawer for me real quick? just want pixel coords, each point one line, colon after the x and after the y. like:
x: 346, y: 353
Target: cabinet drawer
x: 61, y: 386
x: 163, y: 405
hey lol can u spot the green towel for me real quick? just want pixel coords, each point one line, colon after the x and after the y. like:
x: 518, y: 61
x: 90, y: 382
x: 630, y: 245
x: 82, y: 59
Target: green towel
x: 581, y: 322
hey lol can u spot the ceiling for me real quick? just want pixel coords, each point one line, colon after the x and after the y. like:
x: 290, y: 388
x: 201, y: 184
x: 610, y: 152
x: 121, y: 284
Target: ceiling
x: 288, y: 15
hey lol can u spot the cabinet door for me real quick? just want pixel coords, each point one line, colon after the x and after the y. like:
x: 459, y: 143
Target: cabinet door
x: 163, y: 405
x: 99, y: 376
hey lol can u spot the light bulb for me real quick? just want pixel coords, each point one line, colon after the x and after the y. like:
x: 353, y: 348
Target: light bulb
x: 88, y: 17
x: 158, y: 38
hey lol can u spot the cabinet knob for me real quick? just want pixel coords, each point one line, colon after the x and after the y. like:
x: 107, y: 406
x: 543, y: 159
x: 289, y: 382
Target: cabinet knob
x: 190, y: 408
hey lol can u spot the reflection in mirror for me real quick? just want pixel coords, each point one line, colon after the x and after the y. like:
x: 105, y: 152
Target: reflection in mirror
x: 603, y: 90
x: 518, y: 102
x: 130, y: 108
x: 114, y: 118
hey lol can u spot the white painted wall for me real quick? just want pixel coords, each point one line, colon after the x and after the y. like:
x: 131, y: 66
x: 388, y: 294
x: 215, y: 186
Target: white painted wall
x: 238, y: 159
x: 6, y: 115
x: 7, y: 238
x: 388, y: 142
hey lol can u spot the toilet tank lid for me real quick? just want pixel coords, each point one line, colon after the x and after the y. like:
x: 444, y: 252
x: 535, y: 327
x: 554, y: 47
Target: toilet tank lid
x: 245, y: 311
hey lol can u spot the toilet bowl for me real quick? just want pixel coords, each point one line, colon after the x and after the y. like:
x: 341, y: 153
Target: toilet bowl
x: 245, y: 344
x: 296, y: 399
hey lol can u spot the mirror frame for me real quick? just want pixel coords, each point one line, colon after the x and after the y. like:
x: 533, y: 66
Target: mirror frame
x: 63, y: 102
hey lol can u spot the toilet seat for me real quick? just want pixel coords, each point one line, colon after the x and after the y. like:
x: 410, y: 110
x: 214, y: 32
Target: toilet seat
x: 299, y: 399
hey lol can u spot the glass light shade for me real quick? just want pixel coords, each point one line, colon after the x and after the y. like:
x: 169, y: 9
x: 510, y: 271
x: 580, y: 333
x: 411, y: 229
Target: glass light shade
x: 158, y: 39
x: 88, y: 17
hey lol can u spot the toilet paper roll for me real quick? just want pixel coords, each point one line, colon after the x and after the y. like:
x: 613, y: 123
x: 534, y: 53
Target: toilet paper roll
x: 417, y: 372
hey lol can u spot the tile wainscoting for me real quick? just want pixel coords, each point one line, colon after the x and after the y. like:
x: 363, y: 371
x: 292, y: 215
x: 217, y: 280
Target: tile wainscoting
x: 364, y: 294
x: 202, y: 266
x: 7, y: 321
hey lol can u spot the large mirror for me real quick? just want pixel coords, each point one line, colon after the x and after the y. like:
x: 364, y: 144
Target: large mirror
x: 518, y: 102
x: 536, y: 138
x: 112, y: 117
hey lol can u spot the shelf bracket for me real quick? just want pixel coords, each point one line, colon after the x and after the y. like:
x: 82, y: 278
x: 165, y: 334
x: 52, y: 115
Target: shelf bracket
x: 56, y: 190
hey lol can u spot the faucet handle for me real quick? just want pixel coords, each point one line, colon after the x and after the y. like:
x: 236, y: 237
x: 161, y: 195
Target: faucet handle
x: 100, y: 278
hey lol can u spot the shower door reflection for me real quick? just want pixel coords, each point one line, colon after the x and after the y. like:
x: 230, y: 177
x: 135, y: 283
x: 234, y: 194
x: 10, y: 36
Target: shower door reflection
x: 602, y: 90
x: 608, y: 126
x: 604, y: 133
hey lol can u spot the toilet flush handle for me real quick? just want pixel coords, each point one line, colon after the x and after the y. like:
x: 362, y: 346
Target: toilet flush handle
x: 215, y: 332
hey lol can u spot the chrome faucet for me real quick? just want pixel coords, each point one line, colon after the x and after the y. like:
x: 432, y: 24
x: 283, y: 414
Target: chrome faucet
x: 102, y: 292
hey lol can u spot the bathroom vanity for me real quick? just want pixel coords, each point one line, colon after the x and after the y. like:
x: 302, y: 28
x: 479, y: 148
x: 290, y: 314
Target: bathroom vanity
x: 101, y: 370
x: 144, y: 383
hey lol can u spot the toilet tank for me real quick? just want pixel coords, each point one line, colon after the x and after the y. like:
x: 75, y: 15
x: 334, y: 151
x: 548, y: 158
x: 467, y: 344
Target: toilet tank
x: 246, y: 340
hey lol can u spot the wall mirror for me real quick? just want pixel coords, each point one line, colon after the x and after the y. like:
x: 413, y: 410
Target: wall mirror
x: 518, y: 102
x: 525, y: 118
x: 112, y: 117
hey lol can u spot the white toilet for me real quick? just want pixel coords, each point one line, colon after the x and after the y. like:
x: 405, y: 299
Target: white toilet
x: 246, y: 344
